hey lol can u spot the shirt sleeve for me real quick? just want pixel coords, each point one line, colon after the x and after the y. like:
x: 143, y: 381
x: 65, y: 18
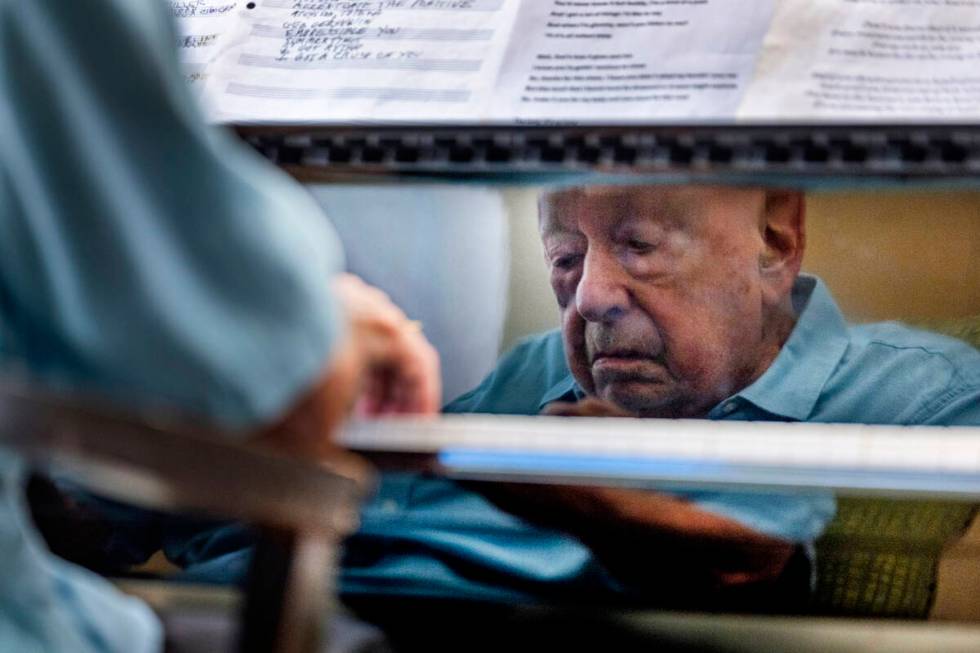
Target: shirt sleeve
x: 799, y: 517
x: 959, y: 404
x: 144, y: 254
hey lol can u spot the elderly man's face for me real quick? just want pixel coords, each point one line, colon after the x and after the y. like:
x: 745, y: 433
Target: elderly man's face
x: 666, y: 293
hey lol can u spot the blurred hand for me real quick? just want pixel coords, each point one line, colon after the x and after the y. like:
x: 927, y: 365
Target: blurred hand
x: 382, y: 365
x: 400, y: 369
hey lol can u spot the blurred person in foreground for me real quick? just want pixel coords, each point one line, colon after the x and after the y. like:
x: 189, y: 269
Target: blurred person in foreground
x: 149, y: 259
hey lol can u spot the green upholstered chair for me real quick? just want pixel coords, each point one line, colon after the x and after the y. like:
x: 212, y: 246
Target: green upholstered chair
x: 880, y: 557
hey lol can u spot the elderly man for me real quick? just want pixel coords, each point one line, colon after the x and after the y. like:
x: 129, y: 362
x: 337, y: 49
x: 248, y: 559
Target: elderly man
x: 675, y: 302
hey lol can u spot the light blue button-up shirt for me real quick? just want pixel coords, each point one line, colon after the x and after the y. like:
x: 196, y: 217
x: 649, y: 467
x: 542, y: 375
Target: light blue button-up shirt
x: 143, y: 256
x: 429, y: 536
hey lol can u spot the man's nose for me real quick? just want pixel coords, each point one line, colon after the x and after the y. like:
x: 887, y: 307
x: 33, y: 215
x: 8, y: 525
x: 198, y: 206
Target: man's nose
x: 601, y: 295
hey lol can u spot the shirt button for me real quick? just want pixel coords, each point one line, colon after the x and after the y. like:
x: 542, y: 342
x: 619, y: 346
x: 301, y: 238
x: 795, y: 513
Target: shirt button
x: 729, y: 408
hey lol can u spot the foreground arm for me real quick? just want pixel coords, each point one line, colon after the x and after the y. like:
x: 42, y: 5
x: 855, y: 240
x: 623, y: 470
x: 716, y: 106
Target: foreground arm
x: 656, y: 544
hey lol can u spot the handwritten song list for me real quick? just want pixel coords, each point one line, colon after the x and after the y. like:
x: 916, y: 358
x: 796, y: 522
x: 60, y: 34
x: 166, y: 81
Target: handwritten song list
x: 289, y: 59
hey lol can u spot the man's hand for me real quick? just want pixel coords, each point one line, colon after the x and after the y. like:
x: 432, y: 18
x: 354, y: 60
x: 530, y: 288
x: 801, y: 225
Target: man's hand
x: 383, y: 365
x: 588, y: 407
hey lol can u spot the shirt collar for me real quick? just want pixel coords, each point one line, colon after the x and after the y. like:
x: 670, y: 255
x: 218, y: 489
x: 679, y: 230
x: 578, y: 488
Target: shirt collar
x: 793, y: 383
x: 565, y: 390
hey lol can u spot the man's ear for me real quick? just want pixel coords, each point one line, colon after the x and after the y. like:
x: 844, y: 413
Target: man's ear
x: 783, y: 227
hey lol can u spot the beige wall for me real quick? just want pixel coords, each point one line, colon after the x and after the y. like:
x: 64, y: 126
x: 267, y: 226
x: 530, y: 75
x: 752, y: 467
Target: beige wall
x: 911, y: 256
x: 895, y: 255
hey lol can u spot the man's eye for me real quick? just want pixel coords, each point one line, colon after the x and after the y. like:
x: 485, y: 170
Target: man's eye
x: 566, y: 262
x: 640, y: 246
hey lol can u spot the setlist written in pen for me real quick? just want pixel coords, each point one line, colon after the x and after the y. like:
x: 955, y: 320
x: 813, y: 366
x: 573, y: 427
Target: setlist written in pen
x: 203, y: 25
x: 351, y: 60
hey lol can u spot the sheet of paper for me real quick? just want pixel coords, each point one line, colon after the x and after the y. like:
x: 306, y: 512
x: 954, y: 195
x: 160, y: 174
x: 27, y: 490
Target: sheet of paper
x: 630, y: 60
x: 873, y: 60
x: 569, y: 61
x: 302, y: 61
x: 203, y: 26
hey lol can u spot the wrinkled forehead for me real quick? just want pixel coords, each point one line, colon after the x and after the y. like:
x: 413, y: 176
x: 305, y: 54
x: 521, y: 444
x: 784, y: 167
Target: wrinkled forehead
x: 565, y: 209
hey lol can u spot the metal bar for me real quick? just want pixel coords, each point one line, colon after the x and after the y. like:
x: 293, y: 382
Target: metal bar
x: 854, y: 458
x: 287, y: 593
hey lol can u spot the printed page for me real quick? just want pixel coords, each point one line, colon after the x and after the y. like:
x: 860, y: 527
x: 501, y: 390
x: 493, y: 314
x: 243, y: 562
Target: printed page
x: 202, y: 27
x: 630, y: 60
x: 321, y: 61
x: 868, y: 60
